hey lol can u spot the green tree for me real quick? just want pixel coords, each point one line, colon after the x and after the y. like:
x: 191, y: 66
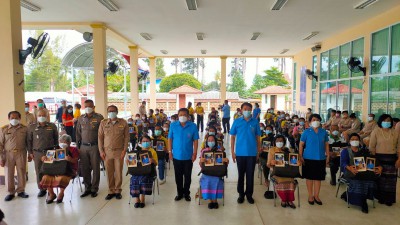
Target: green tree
x: 160, y: 72
x: 176, y: 80
x: 190, y: 65
x: 212, y: 86
x: 275, y: 77
x: 238, y: 84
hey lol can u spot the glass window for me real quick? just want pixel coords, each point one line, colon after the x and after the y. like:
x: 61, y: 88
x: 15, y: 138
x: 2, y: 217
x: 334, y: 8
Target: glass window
x: 294, y: 96
x: 357, y: 50
x: 313, y: 97
x: 378, y: 101
x: 294, y: 75
x: 380, y: 52
x: 356, y: 97
x: 395, y: 57
x: 324, y: 66
x: 343, y: 96
x: 394, y: 96
x: 314, y: 68
x: 328, y: 93
x: 333, y: 63
x: 344, y: 57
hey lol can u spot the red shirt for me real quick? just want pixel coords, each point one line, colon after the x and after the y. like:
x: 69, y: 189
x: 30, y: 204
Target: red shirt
x: 67, y: 117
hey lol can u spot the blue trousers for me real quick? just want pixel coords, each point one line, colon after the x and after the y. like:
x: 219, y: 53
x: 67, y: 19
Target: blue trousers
x: 161, y: 169
x: 246, y: 166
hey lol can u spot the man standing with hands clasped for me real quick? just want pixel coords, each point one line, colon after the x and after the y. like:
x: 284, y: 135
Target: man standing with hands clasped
x: 247, y: 130
x: 182, y: 147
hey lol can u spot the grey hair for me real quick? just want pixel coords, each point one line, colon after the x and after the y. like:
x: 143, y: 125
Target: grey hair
x: 65, y: 138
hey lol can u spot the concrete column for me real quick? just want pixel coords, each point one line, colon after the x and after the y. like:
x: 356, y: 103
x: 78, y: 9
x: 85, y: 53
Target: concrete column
x: 153, y: 73
x: 134, y: 79
x: 223, y: 79
x: 12, y: 73
x: 366, y: 90
x: 99, y: 63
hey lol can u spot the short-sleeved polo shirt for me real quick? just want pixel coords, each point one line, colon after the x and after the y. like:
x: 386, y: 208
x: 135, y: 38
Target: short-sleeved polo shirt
x: 182, y: 139
x: 226, y: 109
x: 256, y: 112
x: 315, y: 143
x: 246, y: 133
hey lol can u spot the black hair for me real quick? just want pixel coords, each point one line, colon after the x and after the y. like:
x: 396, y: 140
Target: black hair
x: 216, y: 141
x: 383, y: 117
x: 270, y: 126
x: 89, y: 101
x: 354, y: 134
x: 246, y: 104
x: 353, y: 116
x: 333, y: 111
x: 396, y: 120
x: 345, y: 111
x: 316, y: 116
x: 69, y: 107
x: 184, y: 110
x: 14, y: 112
x: 151, y: 110
x: 338, y: 112
x: 373, y: 115
x: 281, y: 136
x: 114, y: 106
x: 145, y: 136
x: 77, y: 105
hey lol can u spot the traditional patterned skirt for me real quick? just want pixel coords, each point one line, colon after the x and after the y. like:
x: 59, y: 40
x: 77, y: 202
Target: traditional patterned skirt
x: 387, y: 181
x: 211, y: 187
x: 48, y: 181
x: 285, y: 188
x: 141, y: 185
x: 360, y: 191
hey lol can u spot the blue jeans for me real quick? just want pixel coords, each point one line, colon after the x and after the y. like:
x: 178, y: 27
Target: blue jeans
x: 161, y: 169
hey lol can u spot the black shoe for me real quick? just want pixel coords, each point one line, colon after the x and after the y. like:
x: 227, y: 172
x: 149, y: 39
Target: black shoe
x: 9, y: 198
x: 118, y: 196
x: 344, y: 196
x: 86, y: 193
x: 216, y: 205
x: 110, y: 196
x: 42, y: 193
x: 240, y: 200
x: 364, y: 207
x: 142, y: 205
x: 51, y: 199
x: 311, y: 202
x: 318, y: 202
x: 60, y: 200
x: 188, y: 198
x: 93, y: 194
x: 23, y: 195
x: 333, y: 182
x: 211, y: 205
x: 283, y: 204
x: 250, y: 200
x: 388, y: 203
x: 291, y: 205
x: 178, y: 197
x: 136, y: 205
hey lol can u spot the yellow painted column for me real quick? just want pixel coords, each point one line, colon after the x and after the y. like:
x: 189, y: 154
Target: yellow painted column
x: 153, y: 74
x: 134, y: 79
x: 99, y: 63
x: 223, y: 79
x: 12, y: 73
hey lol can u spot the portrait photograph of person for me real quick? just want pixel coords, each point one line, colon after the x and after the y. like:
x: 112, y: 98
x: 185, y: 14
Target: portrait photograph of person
x: 131, y: 130
x: 293, y: 159
x: 160, y: 146
x: 145, y: 159
x: 219, y: 144
x: 219, y: 158
x: 359, y: 163
x: 266, y: 145
x: 50, y: 156
x: 131, y: 160
x: 370, y: 164
x: 209, y: 159
x: 279, y: 160
x: 61, y: 153
x: 336, y: 151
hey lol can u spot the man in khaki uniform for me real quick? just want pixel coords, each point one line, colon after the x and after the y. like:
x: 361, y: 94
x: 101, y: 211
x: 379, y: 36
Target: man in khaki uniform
x: 40, y: 106
x: 368, y: 128
x: 345, y: 122
x: 42, y: 136
x: 87, y: 129
x: 113, y: 143
x: 142, y: 109
x: 13, y: 154
x: 30, y: 118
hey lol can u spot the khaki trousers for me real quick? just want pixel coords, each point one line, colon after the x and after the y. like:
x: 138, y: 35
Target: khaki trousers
x: 114, y: 165
x: 15, y: 159
x: 90, y: 161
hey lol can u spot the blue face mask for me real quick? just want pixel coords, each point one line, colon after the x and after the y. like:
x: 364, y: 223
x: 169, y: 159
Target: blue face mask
x: 247, y: 114
x: 268, y: 131
x: 211, y: 144
x: 157, y: 132
x: 211, y: 133
x: 301, y: 123
x: 145, y: 144
x: 386, y: 124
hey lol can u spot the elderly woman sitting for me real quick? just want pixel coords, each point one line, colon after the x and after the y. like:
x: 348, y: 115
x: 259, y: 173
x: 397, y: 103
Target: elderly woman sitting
x: 61, y: 181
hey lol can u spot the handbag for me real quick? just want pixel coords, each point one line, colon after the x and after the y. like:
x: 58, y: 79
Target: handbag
x: 287, y: 170
x: 141, y: 170
x: 215, y: 170
x: 56, y: 168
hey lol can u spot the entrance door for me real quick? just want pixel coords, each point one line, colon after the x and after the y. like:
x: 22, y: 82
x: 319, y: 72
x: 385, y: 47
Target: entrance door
x: 273, y: 101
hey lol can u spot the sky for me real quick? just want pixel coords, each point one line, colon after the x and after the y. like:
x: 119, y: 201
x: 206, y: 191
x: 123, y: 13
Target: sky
x: 212, y: 65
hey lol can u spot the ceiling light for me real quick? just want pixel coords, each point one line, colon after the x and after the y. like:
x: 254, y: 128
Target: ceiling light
x: 278, y: 4
x: 110, y: 5
x: 200, y: 36
x: 191, y: 4
x: 243, y: 51
x: 203, y: 52
x: 146, y: 36
x: 255, y: 36
x: 314, y: 33
x: 284, y: 51
x: 164, y: 52
x: 364, y: 4
x: 29, y: 6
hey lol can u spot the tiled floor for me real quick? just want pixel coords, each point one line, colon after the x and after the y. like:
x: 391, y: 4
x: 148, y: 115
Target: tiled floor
x: 167, y: 211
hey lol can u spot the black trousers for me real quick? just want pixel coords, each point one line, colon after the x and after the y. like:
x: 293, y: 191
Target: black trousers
x: 200, y: 120
x: 183, y: 176
x: 246, y: 166
x: 334, y: 164
x: 226, y: 125
x: 69, y: 130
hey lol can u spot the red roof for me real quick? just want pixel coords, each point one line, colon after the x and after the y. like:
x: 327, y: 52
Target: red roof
x: 185, y: 89
x: 274, y: 90
x: 343, y: 89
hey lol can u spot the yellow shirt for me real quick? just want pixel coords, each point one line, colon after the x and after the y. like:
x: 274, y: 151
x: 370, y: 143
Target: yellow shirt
x: 153, y: 155
x: 152, y: 117
x: 267, y: 116
x: 191, y: 111
x: 77, y: 113
x: 200, y: 110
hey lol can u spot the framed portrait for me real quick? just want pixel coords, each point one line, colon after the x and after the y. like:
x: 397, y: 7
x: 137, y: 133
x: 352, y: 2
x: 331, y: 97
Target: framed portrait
x: 293, y: 159
x: 279, y: 160
x: 370, y: 164
x: 131, y: 159
x: 145, y: 159
x: 292, y: 124
x: 219, y: 156
x: 50, y: 156
x: 359, y: 163
x: 131, y: 130
x: 336, y: 150
x: 160, y: 146
x: 61, y: 154
x: 209, y: 159
x: 220, y: 145
x: 265, y: 146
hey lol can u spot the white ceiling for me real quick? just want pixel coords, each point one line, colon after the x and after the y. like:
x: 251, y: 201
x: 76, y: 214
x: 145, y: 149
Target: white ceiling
x: 227, y: 24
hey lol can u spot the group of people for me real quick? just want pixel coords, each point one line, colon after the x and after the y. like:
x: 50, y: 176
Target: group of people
x: 108, y: 140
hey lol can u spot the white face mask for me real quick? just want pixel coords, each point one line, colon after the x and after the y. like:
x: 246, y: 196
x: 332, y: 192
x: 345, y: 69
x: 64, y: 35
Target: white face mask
x: 41, y: 119
x: 88, y: 110
x: 165, y: 128
x: 354, y: 143
x: 112, y: 115
x: 370, y: 118
x: 279, y: 144
x: 287, y: 118
x: 182, y: 119
x: 315, y: 124
x: 14, y: 122
x: 63, y: 145
x: 295, y: 120
x: 137, y: 118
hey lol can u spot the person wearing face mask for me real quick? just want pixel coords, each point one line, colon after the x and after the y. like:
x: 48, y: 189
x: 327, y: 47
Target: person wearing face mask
x: 256, y: 112
x: 237, y: 114
x: 335, y: 140
x: 159, y: 117
x: 182, y: 148
x: 362, y: 185
x: 166, y: 130
x: 191, y: 111
x: 13, y: 143
x: 245, y: 147
x: 41, y: 106
x: 211, y: 131
x: 68, y: 120
x: 113, y: 142
x: 285, y: 186
x: 355, y: 127
x: 267, y: 135
x: 142, y: 108
x: 29, y: 117
x: 152, y: 120
x: 345, y: 122
x: 226, y: 116
x: 308, y: 114
x: 333, y: 120
x: 42, y: 136
x: 62, y: 180
x: 133, y: 132
x: 200, y: 116
x: 314, y: 156
x: 161, y: 150
x: 367, y: 129
x: 164, y: 116
x: 61, y: 111
x: 87, y: 129
x: 292, y: 141
x: 384, y: 143
x: 212, y: 187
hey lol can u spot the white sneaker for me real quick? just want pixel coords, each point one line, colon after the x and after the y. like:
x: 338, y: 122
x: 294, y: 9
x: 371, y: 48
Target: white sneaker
x: 162, y: 182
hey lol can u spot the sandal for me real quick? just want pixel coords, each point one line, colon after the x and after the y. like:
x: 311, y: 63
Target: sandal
x: 291, y: 205
x: 51, y: 199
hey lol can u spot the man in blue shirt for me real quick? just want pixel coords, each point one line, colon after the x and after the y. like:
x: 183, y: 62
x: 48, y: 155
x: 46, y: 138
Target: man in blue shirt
x: 247, y: 132
x: 257, y: 112
x: 60, y: 111
x: 226, y: 117
x: 182, y: 147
